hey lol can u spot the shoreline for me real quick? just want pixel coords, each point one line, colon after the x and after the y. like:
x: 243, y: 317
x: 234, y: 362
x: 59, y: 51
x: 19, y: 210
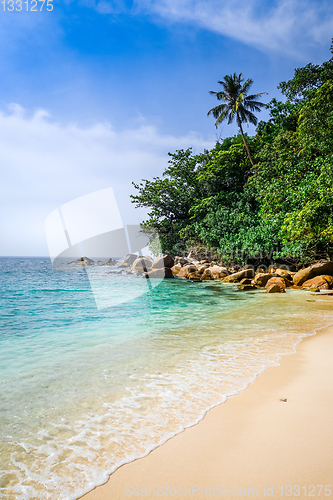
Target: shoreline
x: 210, y: 453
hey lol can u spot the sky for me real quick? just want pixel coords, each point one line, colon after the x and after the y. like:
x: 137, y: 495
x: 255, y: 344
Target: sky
x: 95, y: 93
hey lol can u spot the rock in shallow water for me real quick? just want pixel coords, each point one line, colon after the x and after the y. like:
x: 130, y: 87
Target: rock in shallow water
x: 320, y: 282
x: 164, y: 261
x: 275, y: 288
x: 109, y: 262
x: 281, y: 282
x: 186, y: 270
x: 130, y: 258
x: 319, y: 269
x: 162, y: 273
x: 233, y: 278
x: 83, y: 261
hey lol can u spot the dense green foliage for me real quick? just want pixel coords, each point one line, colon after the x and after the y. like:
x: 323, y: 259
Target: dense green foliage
x: 282, y: 204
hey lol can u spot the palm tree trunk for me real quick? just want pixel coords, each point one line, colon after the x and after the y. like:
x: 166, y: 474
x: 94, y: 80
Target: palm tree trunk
x: 245, y: 143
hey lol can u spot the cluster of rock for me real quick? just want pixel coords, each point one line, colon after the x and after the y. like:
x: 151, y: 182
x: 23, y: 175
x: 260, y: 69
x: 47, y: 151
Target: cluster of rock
x: 134, y: 264
x: 316, y: 278
x: 83, y: 261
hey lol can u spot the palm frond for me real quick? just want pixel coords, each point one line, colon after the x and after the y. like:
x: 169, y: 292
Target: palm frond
x: 222, y: 117
x: 250, y: 117
x: 217, y: 110
x: 246, y: 86
x: 254, y: 96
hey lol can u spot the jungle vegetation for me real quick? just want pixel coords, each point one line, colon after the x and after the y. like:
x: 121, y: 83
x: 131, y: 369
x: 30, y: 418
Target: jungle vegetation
x: 259, y: 197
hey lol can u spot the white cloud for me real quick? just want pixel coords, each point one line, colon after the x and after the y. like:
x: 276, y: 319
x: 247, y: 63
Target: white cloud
x: 45, y: 164
x: 288, y: 26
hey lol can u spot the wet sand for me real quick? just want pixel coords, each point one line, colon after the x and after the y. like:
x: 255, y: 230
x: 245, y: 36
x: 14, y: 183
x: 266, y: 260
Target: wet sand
x: 254, y: 445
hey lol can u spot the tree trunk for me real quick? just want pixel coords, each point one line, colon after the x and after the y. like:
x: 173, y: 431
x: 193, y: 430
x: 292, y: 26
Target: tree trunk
x: 245, y: 143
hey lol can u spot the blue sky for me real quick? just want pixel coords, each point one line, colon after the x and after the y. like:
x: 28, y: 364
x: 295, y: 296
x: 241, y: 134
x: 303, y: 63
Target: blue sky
x: 95, y: 93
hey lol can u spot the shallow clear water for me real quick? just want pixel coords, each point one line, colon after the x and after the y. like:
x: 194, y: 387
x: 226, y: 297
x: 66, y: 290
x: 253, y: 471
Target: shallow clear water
x: 84, y: 390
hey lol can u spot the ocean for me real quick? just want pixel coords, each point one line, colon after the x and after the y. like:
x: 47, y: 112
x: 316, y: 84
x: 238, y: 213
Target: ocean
x: 84, y: 390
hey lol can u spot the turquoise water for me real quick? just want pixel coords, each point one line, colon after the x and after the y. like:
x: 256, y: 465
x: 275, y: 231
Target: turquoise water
x: 83, y: 390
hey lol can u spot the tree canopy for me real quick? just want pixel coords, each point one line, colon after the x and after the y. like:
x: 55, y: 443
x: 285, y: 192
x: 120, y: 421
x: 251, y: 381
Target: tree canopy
x: 282, y: 205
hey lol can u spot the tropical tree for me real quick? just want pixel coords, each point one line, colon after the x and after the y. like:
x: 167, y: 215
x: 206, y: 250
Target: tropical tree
x: 237, y: 104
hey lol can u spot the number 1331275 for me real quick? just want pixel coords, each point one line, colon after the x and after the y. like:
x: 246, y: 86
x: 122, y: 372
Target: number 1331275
x: 32, y: 5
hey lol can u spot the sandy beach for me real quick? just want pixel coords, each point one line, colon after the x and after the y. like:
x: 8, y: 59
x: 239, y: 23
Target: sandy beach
x: 254, y: 445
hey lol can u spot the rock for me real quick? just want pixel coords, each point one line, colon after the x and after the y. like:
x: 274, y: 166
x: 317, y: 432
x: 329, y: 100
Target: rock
x: 182, y: 260
x: 329, y: 280
x: 176, y: 268
x: 194, y: 276
x: 274, y: 288
x: 142, y: 264
x: 186, y: 270
x: 233, y: 278
x: 319, y: 269
x: 281, y: 282
x: 122, y: 265
x: 261, y: 270
x: 83, y: 261
x: 320, y: 282
x: 218, y: 272
x: 246, y: 281
x: 202, y: 267
x: 163, y: 261
x: 246, y: 287
x: 164, y: 272
x: 206, y: 275
x: 130, y: 258
x: 109, y: 262
x: 283, y: 273
x: 325, y: 292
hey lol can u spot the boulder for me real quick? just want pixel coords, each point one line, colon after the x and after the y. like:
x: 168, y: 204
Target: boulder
x: 281, y: 282
x: 130, y: 258
x: 142, y: 264
x: 163, y: 261
x: 329, y: 280
x: 160, y: 273
x: 320, y: 282
x: 218, y: 272
x: 275, y: 288
x: 122, y: 265
x: 202, y: 268
x: 182, y: 260
x: 283, y: 273
x: 261, y: 270
x: 83, y: 261
x: 109, y: 262
x: 233, y: 278
x: 186, y: 270
x: 176, y: 268
x: 246, y: 287
x: 319, y: 269
x: 246, y: 281
x: 194, y: 276
x: 206, y: 275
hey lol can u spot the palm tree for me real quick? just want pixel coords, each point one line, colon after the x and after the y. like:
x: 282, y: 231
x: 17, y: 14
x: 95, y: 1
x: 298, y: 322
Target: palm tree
x: 237, y: 104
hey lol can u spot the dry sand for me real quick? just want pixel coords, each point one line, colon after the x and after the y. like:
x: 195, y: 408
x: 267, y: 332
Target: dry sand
x: 251, y: 445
